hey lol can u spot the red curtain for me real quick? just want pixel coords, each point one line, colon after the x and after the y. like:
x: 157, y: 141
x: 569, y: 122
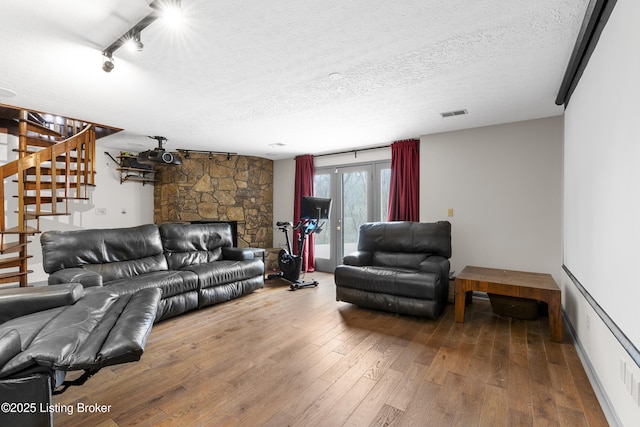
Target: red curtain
x: 404, y: 192
x: 305, y: 173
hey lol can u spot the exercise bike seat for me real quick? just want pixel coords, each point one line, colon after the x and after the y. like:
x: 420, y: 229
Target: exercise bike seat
x: 284, y: 224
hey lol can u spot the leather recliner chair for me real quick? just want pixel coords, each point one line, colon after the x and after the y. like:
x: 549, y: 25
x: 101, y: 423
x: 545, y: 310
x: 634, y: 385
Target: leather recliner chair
x: 400, y: 267
x: 50, y: 330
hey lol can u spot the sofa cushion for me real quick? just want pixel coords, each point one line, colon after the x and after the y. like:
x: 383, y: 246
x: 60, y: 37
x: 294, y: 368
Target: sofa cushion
x: 192, y: 244
x: 170, y: 283
x: 392, y: 281
x: 114, y: 253
x: 229, y: 291
x: 433, y: 238
x: 222, y: 272
x: 398, y: 259
x: 111, y: 271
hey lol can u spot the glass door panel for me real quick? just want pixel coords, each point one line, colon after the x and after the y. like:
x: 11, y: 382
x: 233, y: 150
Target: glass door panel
x: 360, y: 194
x: 323, y: 185
x: 355, y: 206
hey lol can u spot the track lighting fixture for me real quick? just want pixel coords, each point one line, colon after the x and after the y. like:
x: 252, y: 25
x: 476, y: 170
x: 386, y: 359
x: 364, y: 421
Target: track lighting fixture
x: 134, y: 44
x: 171, y: 9
x: 210, y: 153
x: 107, y: 62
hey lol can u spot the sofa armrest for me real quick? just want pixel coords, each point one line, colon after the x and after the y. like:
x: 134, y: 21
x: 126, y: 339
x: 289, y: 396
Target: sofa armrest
x: 76, y: 275
x: 237, y: 254
x: 18, y: 302
x: 358, y: 258
x: 437, y: 264
x: 10, y: 345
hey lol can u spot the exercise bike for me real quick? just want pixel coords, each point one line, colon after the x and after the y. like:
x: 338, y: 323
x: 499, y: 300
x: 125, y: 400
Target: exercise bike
x: 290, y: 263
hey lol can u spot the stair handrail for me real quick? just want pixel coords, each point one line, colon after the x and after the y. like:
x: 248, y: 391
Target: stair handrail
x: 19, y: 166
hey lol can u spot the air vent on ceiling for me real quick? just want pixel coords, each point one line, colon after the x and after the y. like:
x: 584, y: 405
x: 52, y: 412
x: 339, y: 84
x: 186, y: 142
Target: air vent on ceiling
x: 454, y: 113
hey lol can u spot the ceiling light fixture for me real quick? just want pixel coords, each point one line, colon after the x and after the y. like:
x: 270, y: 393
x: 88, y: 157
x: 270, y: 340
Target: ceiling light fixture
x: 7, y: 93
x: 161, y: 8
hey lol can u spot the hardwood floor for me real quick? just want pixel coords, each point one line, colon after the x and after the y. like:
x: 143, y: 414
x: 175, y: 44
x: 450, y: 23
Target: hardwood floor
x: 280, y: 358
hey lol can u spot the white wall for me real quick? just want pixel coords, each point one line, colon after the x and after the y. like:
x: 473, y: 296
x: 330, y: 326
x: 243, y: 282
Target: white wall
x: 504, y: 185
x: 602, y: 206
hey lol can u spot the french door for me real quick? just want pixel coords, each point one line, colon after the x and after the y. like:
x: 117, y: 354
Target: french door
x: 360, y: 194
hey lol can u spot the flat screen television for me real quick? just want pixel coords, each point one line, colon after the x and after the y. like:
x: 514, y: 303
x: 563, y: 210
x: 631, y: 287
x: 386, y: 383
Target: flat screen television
x: 315, y: 208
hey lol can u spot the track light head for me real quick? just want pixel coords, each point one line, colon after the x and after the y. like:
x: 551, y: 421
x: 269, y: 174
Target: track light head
x: 107, y: 62
x: 134, y: 44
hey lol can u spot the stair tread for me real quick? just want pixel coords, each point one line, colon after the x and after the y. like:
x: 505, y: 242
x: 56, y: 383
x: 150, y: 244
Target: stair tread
x: 34, y: 214
x: 12, y: 274
x: 16, y: 230
x: 47, y: 200
x: 59, y: 184
x: 12, y: 247
x: 60, y: 171
x: 34, y: 141
x: 13, y: 262
x: 37, y: 127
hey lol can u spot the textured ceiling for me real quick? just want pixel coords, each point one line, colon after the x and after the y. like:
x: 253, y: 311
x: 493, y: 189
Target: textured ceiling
x: 244, y: 75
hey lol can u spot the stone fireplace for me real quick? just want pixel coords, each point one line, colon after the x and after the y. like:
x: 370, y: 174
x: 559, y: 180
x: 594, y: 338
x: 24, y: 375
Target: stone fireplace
x: 202, y: 189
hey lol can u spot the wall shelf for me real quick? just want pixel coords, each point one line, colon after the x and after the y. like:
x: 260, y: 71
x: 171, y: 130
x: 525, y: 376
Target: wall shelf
x: 131, y: 170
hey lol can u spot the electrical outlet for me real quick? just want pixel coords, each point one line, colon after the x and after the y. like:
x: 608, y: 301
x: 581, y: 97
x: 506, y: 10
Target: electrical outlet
x: 450, y: 212
x: 101, y: 211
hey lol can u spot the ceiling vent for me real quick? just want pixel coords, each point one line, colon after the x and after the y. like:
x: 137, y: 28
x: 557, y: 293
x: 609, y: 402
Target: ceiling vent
x: 454, y: 113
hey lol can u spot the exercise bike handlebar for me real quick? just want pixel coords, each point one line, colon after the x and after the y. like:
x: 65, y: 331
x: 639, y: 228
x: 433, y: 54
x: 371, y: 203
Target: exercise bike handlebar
x: 310, y: 225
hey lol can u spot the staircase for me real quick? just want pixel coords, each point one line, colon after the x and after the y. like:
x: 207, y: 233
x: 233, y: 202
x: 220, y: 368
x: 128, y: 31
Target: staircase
x: 55, y: 165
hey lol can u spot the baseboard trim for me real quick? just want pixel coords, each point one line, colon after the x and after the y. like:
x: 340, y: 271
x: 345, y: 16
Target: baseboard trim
x: 601, y: 395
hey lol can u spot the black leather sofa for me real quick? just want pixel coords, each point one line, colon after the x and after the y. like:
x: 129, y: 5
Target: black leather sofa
x: 194, y: 265
x: 47, y: 331
x: 401, y: 267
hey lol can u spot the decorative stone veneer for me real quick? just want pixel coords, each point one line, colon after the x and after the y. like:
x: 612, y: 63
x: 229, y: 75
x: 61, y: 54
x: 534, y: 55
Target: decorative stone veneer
x: 239, y: 189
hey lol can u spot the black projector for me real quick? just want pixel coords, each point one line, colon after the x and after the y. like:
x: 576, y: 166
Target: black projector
x: 151, y: 157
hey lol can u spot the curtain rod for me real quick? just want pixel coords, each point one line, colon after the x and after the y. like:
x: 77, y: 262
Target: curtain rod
x: 355, y: 152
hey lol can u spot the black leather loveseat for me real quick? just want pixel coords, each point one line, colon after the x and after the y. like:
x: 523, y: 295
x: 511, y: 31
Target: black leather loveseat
x: 401, y: 267
x: 194, y: 265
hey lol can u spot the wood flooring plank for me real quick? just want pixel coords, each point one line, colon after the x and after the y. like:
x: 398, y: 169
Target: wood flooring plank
x: 447, y: 402
x: 366, y: 412
x: 387, y: 416
x: 420, y: 406
x: 494, y: 411
x: 278, y: 357
x: 406, y: 388
x: 519, y: 396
